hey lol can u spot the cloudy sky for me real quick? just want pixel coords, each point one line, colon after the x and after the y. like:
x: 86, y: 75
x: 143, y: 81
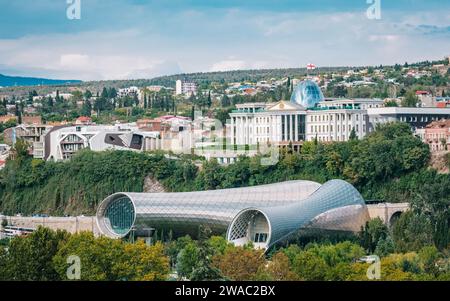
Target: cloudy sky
x: 119, y: 39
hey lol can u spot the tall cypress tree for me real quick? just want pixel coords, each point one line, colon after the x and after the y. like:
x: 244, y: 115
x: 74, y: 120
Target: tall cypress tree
x: 192, y: 112
x: 145, y: 101
x: 209, y: 102
x: 18, y: 113
x: 105, y: 93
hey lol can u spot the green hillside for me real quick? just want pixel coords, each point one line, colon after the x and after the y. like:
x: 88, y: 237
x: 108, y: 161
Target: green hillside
x: 389, y: 164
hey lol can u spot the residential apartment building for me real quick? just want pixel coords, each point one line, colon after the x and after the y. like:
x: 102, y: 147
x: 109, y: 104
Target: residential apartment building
x: 437, y: 135
x: 31, y: 133
x: 64, y: 96
x: 184, y: 87
x: 169, y: 133
x: 63, y: 142
x: 130, y: 91
x: 155, y: 88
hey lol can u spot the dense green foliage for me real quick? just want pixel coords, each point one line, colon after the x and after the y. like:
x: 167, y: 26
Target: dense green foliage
x: 48, y: 255
x: 45, y: 255
x: 75, y: 186
x: 341, y: 261
x: 8, y: 124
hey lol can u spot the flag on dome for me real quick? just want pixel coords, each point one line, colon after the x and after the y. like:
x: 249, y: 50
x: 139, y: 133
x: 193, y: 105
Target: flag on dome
x: 311, y: 67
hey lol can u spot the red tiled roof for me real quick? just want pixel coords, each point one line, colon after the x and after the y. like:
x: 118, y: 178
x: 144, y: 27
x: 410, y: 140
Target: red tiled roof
x: 422, y: 92
x: 439, y: 124
x: 84, y: 118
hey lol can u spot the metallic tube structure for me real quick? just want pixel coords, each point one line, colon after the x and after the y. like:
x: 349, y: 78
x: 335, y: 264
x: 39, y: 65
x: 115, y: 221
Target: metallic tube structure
x: 336, y: 205
x: 183, y: 212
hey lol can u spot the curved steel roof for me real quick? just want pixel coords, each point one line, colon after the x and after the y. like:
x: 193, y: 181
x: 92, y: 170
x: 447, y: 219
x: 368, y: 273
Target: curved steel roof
x: 336, y: 204
x: 183, y: 212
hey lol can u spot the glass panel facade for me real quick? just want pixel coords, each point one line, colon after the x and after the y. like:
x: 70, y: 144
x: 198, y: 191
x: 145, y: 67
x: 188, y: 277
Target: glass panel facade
x: 307, y: 94
x: 183, y: 212
x: 336, y: 205
x: 260, y: 237
x: 120, y: 214
x: 266, y: 214
x: 301, y: 127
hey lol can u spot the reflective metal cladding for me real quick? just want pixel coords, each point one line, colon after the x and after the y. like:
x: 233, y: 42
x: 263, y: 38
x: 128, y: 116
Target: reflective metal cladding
x: 336, y: 205
x: 263, y: 215
x: 183, y: 212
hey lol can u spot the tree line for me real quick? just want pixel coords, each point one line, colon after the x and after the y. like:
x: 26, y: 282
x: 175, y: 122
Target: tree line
x: 47, y: 255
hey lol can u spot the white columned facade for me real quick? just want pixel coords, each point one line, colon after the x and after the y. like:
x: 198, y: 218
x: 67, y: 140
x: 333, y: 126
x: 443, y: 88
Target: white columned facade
x: 290, y: 138
x: 232, y: 131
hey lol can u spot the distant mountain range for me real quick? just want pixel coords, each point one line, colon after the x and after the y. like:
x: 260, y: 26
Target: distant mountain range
x: 10, y: 81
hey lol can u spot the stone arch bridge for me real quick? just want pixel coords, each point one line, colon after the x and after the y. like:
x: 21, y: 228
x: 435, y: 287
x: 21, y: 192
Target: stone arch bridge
x: 387, y: 212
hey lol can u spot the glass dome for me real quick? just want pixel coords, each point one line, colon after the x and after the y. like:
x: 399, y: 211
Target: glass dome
x: 307, y: 94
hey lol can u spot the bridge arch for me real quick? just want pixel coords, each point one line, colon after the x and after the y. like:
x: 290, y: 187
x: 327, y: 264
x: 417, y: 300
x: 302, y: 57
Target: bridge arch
x: 387, y: 212
x: 394, y: 218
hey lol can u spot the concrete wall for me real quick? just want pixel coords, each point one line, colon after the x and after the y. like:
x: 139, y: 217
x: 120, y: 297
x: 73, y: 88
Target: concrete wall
x: 70, y: 224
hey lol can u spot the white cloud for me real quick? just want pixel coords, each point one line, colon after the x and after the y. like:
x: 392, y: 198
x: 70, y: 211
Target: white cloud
x: 108, y: 55
x: 74, y: 61
x: 384, y: 38
x: 228, y: 65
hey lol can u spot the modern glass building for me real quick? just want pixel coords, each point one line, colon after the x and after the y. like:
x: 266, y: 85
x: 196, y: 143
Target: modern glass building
x: 264, y: 215
x: 183, y: 212
x: 307, y: 94
x: 335, y: 206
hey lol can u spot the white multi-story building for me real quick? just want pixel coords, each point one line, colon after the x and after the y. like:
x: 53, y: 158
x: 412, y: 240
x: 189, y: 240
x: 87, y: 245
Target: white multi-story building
x: 182, y: 87
x: 286, y: 123
x: 306, y: 117
x: 62, y: 142
x: 65, y: 96
x: 258, y: 123
x: 417, y: 118
x: 334, y: 120
x: 130, y: 91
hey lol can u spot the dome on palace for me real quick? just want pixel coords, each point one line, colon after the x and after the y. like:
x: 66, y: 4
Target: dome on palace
x: 307, y: 94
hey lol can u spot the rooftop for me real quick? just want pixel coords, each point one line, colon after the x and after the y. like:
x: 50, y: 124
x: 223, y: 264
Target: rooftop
x: 405, y: 110
x: 439, y: 124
